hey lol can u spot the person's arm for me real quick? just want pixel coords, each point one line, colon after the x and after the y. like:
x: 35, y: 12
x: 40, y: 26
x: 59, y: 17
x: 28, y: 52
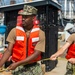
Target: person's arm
x: 60, y: 51
x: 6, y: 54
x: 72, y: 60
x: 24, y: 62
x: 30, y: 58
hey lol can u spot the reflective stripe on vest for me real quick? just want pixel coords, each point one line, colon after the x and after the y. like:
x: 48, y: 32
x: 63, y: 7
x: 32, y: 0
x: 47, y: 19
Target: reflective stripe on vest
x: 19, y: 49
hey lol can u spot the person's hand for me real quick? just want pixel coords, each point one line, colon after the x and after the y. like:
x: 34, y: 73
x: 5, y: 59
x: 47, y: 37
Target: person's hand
x: 1, y: 68
x: 12, y: 66
x: 72, y: 60
x: 53, y: 57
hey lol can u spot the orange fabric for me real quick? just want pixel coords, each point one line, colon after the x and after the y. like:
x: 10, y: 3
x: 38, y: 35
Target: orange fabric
x: 36, y: 21
x: 21, y: 50
x: 71, y: 52
x: 19, y: 20
x: 1, y: 55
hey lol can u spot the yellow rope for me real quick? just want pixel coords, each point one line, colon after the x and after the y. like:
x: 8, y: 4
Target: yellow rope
x: 6, y: 69
x: 45, y: 59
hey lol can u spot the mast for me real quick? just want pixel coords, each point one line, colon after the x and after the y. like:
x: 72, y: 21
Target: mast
x: 65, y: 12
x: 2, y: 2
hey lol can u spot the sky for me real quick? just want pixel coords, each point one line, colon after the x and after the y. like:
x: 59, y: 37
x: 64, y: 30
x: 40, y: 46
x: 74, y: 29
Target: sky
x: 7, y: 2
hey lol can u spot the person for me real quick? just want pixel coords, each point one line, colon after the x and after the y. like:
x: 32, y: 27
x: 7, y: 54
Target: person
x: 70, y: 54
x: 26, y: 43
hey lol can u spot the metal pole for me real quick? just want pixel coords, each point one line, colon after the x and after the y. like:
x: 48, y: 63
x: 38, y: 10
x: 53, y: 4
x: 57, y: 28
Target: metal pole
x: 70, y: 9
x: 65, y: 9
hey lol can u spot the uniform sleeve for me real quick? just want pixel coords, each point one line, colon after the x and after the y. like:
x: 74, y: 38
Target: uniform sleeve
x: 41, y: 44
x: 11, y: 36
x: 71, y: 38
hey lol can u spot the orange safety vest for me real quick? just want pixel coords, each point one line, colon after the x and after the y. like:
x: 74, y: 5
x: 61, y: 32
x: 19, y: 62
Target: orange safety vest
x: 23, y: 47
x: 71, y: 52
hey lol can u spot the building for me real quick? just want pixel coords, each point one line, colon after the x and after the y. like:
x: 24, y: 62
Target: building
x: 67, y: 10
